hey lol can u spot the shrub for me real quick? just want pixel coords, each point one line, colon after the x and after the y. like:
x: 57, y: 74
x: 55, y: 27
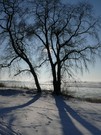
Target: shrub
x: 2, y: 85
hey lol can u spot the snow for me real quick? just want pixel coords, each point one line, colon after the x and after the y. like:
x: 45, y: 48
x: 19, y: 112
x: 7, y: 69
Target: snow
x: 44, y: 114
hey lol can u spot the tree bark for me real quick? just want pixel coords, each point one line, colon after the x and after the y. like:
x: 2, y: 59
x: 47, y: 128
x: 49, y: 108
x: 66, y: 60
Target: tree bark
x: 36, y: 81
x: 25, y: 58
x: 59, y: 78
x: 34, y: 75
x: 57, y: 89
x: 57, y: 81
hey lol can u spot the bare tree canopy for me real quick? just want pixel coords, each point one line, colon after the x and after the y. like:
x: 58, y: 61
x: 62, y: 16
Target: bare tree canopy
x: 65, y: 36
x: 13, y: 31
x: 68, y: 32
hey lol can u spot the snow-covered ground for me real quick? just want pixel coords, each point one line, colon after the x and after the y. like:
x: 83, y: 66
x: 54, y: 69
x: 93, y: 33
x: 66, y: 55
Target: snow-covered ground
x: 84, y: 90
x: 32, y: 114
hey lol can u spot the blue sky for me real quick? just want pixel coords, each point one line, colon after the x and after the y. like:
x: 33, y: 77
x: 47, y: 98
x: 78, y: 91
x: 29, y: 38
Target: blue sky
x: 94, y: 73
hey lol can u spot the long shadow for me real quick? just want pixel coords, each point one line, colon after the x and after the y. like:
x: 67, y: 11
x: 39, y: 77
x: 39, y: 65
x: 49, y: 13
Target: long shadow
x: 7, y: 129
x: 69, y: 128
x: 10, y: 92
x: 9, y: 109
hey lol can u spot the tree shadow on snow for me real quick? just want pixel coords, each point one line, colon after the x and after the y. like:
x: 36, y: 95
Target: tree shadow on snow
x: 6, y: 129
x: 9, y: 109
x: 10, y: 92
x: 68, y: 116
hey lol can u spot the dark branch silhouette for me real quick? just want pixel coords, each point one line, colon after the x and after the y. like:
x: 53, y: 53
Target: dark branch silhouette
x: 13, y: 30
x: 65, y: 31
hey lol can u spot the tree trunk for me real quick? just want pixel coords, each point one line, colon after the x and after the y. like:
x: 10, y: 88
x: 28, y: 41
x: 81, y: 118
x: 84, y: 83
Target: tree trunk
x: 23, y: 55
x: 57, y: 82
x: 36, y: 81
x: 34, y: 75
x: 57, y: 88
x: 59, y: 77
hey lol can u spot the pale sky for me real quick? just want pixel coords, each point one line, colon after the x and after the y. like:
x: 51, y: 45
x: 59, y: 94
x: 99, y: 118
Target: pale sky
x: 94, y: 73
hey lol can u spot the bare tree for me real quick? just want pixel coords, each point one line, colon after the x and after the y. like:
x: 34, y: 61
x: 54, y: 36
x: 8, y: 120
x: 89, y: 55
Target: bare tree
x: 68, y: 35
x: 13, y: 34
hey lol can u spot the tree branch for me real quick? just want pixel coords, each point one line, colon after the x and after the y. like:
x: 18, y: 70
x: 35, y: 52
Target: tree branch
x: 8, y: 65
x: 79, y: 51
x: 41, y: 64
x: 20, y: 71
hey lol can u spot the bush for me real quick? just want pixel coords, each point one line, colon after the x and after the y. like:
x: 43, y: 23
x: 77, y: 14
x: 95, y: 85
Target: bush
x: 2, y: 85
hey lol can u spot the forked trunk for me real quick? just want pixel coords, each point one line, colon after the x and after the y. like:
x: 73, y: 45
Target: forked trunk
x: 57, y: 88
x: 56, y: 79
